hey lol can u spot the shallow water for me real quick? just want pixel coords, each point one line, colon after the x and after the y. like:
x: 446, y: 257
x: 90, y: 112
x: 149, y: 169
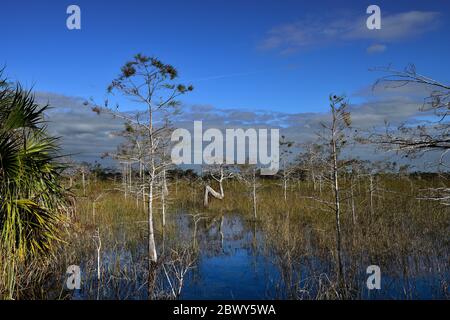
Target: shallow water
x: 230, y: 265
x: 235, y: 259
x: 235, y: 262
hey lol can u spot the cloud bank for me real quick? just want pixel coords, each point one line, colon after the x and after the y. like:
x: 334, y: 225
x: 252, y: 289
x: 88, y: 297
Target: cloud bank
x: 87, y: 135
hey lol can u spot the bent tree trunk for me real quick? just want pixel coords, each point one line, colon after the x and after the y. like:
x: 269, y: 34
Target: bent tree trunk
x: 209, y: 190
x: 214, y: 193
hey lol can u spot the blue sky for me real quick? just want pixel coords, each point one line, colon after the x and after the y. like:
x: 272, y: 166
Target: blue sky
x: 253, y: 63
x: 247, y: 54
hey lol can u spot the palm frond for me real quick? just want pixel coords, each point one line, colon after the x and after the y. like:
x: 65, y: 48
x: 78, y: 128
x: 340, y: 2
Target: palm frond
x: 31, y: 195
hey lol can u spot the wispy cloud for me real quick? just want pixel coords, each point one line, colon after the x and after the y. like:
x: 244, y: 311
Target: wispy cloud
x: 242, y: 74
x: 307, y: 33
x: 376, y: 48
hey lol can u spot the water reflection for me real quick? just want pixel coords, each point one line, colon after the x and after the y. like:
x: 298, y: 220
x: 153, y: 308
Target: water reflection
x: 236, y: 258
x: 239, y: 259
x: 231, y: 264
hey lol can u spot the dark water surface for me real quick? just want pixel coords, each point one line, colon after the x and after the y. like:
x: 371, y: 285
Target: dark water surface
x: 235, y: 262
x: 236, y: 258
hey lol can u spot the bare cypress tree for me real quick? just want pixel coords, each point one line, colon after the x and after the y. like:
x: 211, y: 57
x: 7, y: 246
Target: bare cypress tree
x: 218, y: 173
x: 423, y: 138
x: 310, y: 161
x: 419, y: 138
x: 286, y: 169
x: 149, y: 82
x: 248, y: 174
x: 336, y: 138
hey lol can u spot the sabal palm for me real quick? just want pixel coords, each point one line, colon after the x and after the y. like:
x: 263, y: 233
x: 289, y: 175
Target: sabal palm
x: 30, y: 195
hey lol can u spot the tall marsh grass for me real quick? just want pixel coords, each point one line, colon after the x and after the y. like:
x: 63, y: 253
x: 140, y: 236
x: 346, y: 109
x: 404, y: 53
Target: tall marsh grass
x: 402, y: 233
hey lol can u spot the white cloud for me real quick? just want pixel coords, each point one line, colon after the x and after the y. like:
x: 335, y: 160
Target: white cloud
x: 83, y: 133
x: 376, y: 48
x: 308, y: 33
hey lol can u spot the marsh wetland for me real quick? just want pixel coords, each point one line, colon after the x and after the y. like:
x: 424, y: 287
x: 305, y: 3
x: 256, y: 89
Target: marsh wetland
x: 223, y: 253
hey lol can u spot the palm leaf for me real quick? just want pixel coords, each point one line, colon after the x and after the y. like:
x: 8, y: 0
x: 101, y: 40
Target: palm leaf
x: 30, y: 191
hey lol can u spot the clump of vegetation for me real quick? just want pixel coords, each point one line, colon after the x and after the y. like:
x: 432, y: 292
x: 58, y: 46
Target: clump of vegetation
x: 31, y: 195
